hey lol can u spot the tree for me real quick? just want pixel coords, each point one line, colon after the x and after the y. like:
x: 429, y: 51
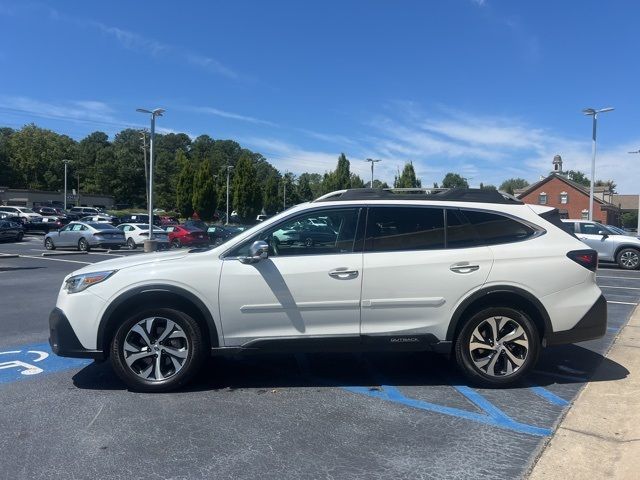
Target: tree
x: 6, y: 172
x: 578, y: 177
x: 247, y: 195
x: 454, y: 180
x: 271, y: 201
x: 610, y: 184
x: 407, y: 179
x: 487, y: 187
x: 356, y: 181
x: 204, y: 192
x: 630, y: 219
x: 340, y: 178
x: 377, y: 184
x: 513, y: 184
x: 184, y: 187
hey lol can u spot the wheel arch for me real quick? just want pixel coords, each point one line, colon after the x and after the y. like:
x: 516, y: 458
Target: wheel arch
x: 500, y: 296
x: 619, y: 248
x: 167, y: 296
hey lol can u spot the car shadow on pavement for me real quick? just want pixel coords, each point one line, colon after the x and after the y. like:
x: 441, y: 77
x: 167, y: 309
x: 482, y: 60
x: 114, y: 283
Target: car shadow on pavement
x: 570, y: 364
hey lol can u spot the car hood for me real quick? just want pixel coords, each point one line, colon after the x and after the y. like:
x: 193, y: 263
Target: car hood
x: 132, y: 261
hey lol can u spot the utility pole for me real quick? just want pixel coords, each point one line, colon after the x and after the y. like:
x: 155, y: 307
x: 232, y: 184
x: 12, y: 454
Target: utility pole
x: 150, y: 245
x: 638, y: 227
x: 229, y: 168
x: 594, y: 114
x: 65, y: 161
x: 284, y: 192
x: 372, y: 163
x: 78, y: 190
x: 143, y: 137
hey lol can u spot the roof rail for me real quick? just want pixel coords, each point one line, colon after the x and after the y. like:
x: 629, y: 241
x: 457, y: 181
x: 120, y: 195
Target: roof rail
x: 428, y: 194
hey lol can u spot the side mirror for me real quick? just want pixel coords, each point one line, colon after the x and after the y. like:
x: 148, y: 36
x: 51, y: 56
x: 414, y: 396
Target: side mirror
x: 603, y: 233
x: 258, y: 250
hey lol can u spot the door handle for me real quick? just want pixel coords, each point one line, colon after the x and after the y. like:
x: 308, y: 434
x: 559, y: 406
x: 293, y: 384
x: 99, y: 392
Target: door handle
x: 343, y: 273
x: 464, y: 268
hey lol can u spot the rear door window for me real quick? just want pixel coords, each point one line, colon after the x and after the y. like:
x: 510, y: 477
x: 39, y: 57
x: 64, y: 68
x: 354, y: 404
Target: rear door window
x: 494, y: 229
x: 404, y: 228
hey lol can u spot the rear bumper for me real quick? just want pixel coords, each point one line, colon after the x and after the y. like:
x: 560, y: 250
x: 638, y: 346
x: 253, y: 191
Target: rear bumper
x: 64, y: 341
x: 592, y: 325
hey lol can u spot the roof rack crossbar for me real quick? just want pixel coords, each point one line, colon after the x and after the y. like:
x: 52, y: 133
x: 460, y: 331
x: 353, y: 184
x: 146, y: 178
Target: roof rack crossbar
x: 428, y: 194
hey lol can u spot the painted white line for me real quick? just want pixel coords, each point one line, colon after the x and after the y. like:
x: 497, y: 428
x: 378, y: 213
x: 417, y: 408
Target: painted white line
x: 622, y: 288
x: 108, y: 254
x: 620, y: 278
x: 621, y: 303
x: 55, y: 259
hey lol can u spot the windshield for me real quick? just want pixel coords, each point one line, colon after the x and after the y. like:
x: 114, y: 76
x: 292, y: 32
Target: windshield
x: 26, y: 210
x: 145, y: 226
x: 617, y: 230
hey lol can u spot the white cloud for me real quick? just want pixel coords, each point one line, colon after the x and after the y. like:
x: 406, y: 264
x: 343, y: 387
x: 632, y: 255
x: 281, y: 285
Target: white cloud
x: 80, y: 110
x: 231, y: 115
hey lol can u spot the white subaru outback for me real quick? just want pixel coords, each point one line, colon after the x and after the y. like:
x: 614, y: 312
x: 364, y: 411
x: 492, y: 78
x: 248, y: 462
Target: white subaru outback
x: 476, y: 274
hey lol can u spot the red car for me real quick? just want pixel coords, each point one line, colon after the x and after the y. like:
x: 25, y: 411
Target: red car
x: 180, y: 235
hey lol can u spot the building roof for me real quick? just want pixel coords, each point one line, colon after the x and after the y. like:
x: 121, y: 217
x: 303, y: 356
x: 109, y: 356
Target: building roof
x: 626, y: 202
x: 576, y: 186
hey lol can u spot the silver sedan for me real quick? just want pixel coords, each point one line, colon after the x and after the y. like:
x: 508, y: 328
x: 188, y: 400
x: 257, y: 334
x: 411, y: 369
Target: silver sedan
x: 84, y: 236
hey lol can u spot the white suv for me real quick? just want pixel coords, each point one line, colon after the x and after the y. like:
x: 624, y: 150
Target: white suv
x: 474, y: 273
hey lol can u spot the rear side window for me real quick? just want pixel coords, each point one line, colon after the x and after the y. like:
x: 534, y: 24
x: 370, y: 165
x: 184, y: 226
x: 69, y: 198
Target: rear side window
x: 493, y: 229
x: 404, y: 228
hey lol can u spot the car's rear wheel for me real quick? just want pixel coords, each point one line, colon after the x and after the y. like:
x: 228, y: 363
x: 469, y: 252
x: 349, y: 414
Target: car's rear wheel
x: 176, y: 243
x: 48, y: 244
x: 497, y: 346
x: 83, y: 245
x: 19, y: 236
x: 157, y: 350
x: 628, y: 258
x: 131, y: 244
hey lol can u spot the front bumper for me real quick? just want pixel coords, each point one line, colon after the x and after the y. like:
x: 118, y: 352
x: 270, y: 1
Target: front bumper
x: 592, y: 325
x: 64, y: 341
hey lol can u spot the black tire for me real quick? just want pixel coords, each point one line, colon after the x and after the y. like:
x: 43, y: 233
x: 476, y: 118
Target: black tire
x: 628, y: 259
x: 510, y: 318
x: 19, y: 236
x: 131, y: 244
x: 176, y: 243
x: 115, y: 247
x: 195, y: 347
x: 48, y: 244
x: 83, y: 245
x: 308, y: 242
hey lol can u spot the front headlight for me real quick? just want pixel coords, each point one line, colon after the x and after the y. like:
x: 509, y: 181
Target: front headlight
x: 81, y: 282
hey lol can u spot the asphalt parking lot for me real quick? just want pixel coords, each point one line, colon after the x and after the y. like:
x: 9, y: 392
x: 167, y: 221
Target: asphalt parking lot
x: 281, y: 416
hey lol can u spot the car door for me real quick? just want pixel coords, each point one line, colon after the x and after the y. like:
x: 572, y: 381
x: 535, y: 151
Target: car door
x: 301, y: 290
x: 603, y: 244
x: 411, y: 282
x: 63, y: 238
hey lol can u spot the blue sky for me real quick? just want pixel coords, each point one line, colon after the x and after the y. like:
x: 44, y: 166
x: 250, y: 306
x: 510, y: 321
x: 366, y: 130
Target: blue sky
x: 490, y: 89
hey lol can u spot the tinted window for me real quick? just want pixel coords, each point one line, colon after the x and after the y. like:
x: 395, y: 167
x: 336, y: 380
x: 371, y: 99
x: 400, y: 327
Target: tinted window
x: 404, y: 228
x: 301, y: 235
x: 493, y: 229
x: 591, y: 228
x: 460, y: 233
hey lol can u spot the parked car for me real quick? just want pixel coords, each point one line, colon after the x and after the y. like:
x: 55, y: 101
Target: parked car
x: 26, y: 214
x: 196, y: 224
x: 464, y: 272
x: 84, y: 211
x: 166, y: 220
x: 139, y: 218
x: 11, y: 231
x: 84, y: 236
x: 137, y: 233
x: 611, y: 246
x: 262, y: 217
x: 10, y: 217
x: 218, y: 234
x: 185, y: 236
x: 100, y: 219
x: 45, y: 211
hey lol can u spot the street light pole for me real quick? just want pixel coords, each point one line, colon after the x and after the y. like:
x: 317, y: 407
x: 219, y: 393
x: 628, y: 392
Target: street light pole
x: 146, y: 167
x: 594, y: 114
x: 229, y: 168
x: 65, y: 161
x: 638, y: 227
x: 149, y: 244
x: 372, y: 163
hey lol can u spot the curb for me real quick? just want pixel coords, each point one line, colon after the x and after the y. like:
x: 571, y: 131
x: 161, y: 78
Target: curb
x: 9, y: 255
x: 56, y: 254
x: 598, y: 434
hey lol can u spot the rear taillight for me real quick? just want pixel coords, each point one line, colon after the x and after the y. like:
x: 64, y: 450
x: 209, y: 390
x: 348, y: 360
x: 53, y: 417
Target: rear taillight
x: 587, y: 258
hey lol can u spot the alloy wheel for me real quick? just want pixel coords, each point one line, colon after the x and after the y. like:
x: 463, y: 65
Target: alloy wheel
x: 630, y: 259
x: 498, y: 346
x: 155, y: 348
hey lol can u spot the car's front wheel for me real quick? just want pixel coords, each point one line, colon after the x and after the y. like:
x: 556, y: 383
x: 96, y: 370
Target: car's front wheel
x: 49, y: 245
x: 497, y: 346
x: 628, y: 258
x: 176, y: 243
x: 83, y: 245
x: 131, y: 244
x: 157, y: 350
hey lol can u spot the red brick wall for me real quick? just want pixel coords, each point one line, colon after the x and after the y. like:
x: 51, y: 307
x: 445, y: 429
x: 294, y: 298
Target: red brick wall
x: 577, y: 200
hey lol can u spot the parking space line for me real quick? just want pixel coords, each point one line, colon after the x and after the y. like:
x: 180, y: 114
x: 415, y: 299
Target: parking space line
x: 621, y: 303
x: 622, y: 288
x: 549, y: 396
x: 620, y: 278
x: 55, y: 259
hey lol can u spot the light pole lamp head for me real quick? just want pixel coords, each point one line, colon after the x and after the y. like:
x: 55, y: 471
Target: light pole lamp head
x: 589, y: 111
x: 156, y: 112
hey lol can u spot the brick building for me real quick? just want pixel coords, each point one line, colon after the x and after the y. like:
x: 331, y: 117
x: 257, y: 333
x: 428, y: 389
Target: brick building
x: 570, y: 198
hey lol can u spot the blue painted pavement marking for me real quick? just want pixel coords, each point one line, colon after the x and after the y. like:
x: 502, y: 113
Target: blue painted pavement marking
x: 549, y: 396
x: 492, y: 416
x: 27, y: 361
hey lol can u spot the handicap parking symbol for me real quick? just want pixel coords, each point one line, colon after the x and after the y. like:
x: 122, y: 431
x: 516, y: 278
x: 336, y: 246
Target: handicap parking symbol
x: 23, y: 361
